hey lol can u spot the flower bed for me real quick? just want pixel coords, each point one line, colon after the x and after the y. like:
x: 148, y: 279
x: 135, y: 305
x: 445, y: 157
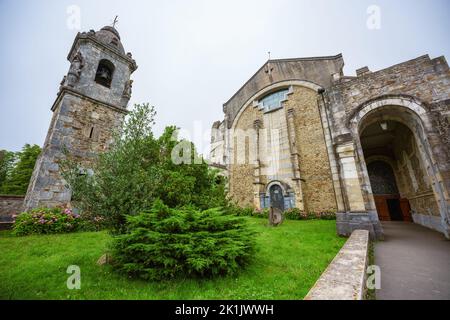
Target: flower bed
x: 290, y: 214
x: 46, y: 221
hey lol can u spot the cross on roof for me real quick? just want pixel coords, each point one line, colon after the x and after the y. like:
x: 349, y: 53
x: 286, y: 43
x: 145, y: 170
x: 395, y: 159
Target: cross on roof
x: 116, y: 20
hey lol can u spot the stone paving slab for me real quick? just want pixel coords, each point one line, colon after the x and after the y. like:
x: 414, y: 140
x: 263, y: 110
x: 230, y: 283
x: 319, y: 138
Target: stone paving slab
x: 414, y: 262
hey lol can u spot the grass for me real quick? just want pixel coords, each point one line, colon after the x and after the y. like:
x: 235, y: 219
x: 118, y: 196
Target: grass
x: 289, y: 260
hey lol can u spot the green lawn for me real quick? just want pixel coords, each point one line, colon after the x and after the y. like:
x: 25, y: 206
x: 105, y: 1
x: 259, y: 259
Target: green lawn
x: 289, y: 260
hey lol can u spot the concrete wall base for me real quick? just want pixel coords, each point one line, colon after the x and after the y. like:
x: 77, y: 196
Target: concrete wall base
x: 432, y: 222
x: 347, y: 222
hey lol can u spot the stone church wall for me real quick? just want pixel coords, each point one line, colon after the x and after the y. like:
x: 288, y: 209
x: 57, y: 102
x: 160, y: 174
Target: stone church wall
x: 316, y: 186
x: 414, y: 183
x: 242, y: 167
x: 330, y: 111
x: 314, y: 163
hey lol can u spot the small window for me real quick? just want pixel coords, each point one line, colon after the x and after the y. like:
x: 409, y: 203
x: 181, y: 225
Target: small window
x: 91, y: 133
x: 115, y: 42
x: 104, y: 73
x: 273, y: 100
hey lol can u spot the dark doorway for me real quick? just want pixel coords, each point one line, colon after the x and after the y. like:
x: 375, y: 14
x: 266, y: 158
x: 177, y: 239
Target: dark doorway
x: 276, y: 197
x: 395, y: 211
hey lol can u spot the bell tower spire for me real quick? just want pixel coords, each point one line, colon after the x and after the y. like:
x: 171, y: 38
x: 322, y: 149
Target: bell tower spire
x: 90, y: 106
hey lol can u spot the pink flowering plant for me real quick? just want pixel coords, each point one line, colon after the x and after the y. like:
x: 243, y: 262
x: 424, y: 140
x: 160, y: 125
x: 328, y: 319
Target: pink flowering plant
x: 297, y: 214
x: 47, y: 221
x: 289, y: 214
x: 327, y: 215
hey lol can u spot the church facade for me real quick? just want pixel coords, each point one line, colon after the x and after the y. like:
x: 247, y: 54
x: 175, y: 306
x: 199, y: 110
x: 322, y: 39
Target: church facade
x: 297, y: 134
x: 371, y: 147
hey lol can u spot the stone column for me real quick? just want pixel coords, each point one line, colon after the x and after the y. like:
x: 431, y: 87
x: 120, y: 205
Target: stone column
x: 257, y: 183
x: 295, y: 159
x: 356, y: 215
x: 349, y: 175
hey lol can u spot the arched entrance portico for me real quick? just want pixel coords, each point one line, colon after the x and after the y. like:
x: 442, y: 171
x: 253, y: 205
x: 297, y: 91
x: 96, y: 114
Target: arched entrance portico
x: 398, y: 129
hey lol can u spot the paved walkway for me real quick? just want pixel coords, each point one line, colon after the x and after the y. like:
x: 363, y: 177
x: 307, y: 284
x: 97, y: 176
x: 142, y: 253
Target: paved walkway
x: 414, y: 262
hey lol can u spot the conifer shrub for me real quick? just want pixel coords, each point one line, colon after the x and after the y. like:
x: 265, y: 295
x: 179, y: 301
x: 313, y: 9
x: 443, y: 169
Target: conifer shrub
x: 163, y: 243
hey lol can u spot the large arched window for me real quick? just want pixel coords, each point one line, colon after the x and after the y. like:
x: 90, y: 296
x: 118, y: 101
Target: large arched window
x: 273, y: 100
x: 382, y: 178
x: 104, y: 73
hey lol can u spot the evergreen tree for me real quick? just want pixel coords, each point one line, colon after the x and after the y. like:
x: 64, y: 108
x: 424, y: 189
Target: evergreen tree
x: 7, y: 159
x: 16, y: 182
x: 163, y: 243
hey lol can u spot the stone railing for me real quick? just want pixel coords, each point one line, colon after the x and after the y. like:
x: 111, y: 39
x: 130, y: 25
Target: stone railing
x: 344, y: 278
x: 9, y: 205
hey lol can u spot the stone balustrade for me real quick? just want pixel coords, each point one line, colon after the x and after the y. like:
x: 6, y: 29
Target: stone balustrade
x: 344, y: 278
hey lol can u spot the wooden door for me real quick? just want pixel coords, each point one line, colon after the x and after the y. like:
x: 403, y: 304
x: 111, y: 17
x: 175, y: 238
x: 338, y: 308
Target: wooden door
x: 382, y: 208
x: 406, y: 210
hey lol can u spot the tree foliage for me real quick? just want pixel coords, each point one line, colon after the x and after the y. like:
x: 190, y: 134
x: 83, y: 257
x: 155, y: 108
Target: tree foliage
x: 7, y: 159
x: 136, y: 170
x: 164, y: 243
x: 17, y: 174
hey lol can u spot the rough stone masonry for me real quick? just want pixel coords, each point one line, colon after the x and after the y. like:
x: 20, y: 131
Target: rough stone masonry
x: 302, y: 129
x: 90, y: 105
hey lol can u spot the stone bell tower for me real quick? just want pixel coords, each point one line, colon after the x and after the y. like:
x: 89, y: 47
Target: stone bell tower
x: 90, y: 105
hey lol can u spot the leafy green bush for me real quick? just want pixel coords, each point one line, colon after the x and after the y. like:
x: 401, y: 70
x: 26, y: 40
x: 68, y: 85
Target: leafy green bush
x: 264, y: 213
x: 240, y: 212
x: 297, y: 214
x: 327, y: 215
x: 165, y: 243
x: 293, y: 214
x: 247, y: 211
x: 91, y: 222
x: 46, y: 221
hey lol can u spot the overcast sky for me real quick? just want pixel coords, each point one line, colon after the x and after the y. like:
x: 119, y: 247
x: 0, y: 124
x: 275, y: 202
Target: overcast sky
x: 194, y: 55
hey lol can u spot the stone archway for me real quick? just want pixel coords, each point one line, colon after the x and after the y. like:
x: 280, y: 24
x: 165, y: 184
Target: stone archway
x: 408, y: 113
